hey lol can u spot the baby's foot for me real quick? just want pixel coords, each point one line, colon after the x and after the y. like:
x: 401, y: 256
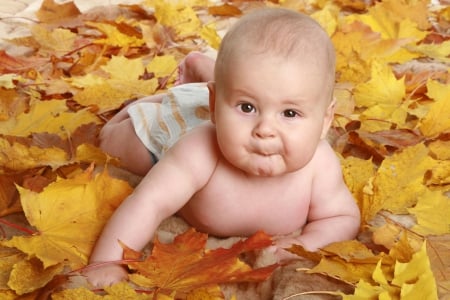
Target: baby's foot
x: 195, y: 67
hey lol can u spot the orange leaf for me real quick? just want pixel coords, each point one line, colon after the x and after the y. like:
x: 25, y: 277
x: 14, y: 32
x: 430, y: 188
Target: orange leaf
x: 185, y: 264
x: 51, y: 11
x: 224, y: 10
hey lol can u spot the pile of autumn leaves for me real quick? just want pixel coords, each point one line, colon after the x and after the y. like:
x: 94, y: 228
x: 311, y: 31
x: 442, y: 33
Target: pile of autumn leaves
x: 392, y: 131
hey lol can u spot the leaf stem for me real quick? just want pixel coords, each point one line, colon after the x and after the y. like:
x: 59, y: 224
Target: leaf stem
x: 103, y: 263
x: 18, y: 227
x: 314, y: 293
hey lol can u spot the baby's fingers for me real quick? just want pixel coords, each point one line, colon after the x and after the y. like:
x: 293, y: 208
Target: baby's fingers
x: 105, y: 275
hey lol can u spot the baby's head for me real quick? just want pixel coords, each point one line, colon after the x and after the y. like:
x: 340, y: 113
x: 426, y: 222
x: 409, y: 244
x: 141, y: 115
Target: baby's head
x: 272, y: 97
x: 279, y: 32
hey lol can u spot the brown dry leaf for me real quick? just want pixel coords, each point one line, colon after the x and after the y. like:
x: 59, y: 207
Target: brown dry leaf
x: 25, y: 66
x: 69, y: 214
x: 50, y: 11
x: 9, y: 198
x: 438, y: 248
x: 185, y: 265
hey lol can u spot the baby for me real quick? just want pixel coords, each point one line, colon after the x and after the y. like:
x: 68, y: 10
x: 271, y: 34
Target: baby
x: 260, y: 161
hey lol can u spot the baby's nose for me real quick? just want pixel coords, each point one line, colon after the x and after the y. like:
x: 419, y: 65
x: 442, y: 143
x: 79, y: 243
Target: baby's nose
x: 264, y: 129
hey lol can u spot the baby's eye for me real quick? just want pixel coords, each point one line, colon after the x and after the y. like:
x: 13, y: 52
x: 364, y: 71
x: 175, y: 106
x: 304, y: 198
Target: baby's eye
x: 247, y: 108
x: 289, y: 113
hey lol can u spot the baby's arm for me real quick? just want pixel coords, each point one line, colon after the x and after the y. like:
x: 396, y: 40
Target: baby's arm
x: 334, y: 215
x: 184, y: 169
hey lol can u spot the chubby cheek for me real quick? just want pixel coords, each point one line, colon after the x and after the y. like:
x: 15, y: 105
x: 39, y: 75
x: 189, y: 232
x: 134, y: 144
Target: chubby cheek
x: 299, y: 152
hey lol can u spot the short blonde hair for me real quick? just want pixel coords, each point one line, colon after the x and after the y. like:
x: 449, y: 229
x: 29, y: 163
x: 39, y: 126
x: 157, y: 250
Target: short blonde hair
x: 281, y: 32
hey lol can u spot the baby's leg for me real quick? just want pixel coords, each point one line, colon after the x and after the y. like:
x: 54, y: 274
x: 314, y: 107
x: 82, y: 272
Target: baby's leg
x: 118, y: 139
x: 195, y: 67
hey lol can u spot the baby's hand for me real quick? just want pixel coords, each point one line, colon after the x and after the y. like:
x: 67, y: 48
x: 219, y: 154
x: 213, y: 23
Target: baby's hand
x: 105, y: 275
x: 282, y: 243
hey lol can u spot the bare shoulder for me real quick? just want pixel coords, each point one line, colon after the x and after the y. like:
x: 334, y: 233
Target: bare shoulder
x: 329, y: 192
x: 196, y: 151
x: 327, y: 172
x: 325, y: 158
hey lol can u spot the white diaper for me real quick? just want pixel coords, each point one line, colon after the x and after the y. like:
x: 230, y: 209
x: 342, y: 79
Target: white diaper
x: 160, y: 125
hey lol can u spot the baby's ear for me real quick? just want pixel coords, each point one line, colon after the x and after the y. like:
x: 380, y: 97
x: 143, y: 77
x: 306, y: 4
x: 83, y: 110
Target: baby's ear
x: 328, y: 118
x: 212, y: 100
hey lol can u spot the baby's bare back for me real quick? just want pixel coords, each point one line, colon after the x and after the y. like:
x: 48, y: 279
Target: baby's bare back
x: 234, y: 203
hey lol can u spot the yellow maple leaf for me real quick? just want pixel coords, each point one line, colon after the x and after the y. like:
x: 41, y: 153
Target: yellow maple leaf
x: 86, y: 80
x: 382, y: 88
x: 440, y: 149
x: 30, y: 275
x: 8, y: 258
x: 437, y: 120
x: 58, y: 40
x: 209, y: 34
x: 19, y: 157
x: 114, y: 37
x: 357, y: 46
x: 432, y: 212
x: 163, y: 66
x: 69, y: 214
x: 402, y: 251
x: 415, y: 277
x: 327, y: 17
x: 409, y: 280
x: 439, y: 175
x: 397, y: 19
x: 357, y: 173
x: 383, y: 97
x: 397, y: 185
x: 8, y: 295
x: 349, y: 261
x: 384, y: 117
x: 119, y: 291
x: 365, y: 290
x: 112, y: 93
x: 51, y: 116
x: 182, y: 18
x: 91, y: 154
x: 437, y: 51
x: 122, y: 68
x: 350, y: 65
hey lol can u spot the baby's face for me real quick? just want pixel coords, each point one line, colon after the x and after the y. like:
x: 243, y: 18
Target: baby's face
x: 271, y: 114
